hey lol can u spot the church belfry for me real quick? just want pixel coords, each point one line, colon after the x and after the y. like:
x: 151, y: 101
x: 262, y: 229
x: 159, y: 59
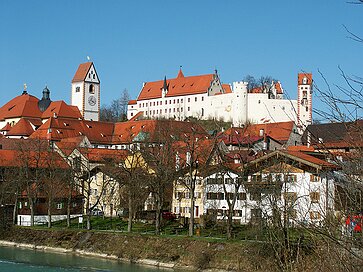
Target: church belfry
x: 86, y: 91
x: 304, y: 100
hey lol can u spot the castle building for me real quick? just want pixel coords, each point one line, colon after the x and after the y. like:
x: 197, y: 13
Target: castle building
x: 205, y: 97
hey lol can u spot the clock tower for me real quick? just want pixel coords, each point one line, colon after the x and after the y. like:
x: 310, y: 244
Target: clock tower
x: 86, y: 91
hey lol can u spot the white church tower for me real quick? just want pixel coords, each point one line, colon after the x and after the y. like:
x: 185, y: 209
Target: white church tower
x: 304, y: 100
x: 86, y: 91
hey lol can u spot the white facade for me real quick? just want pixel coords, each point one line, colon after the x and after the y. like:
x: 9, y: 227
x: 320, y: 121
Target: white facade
x: 306, y: 196
x: 86, y: 94
x: 238, y: 106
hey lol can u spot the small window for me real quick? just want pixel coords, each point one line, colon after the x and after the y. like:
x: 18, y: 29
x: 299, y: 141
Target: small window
x: 188, y: 99
x: 202, y: 98
x: 59, y: 206
x: 188, y: 108
x: 315, y: 215
x: 315, y: 197
x: 196, y: 99
x: 78, y: 89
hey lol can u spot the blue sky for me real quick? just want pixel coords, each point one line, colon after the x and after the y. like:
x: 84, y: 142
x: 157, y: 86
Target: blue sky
x: 43, y: 42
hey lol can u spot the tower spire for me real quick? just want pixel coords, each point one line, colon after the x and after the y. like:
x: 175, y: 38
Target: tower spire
x: 180, y: 74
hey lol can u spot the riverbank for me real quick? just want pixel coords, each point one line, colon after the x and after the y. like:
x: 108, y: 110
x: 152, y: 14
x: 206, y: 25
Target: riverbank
x: 178, y: 253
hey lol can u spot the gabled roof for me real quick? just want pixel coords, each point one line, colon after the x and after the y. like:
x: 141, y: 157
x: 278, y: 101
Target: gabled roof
x: 301, y: 76
x: 344, y: 133
x: 154, y: 130
x: 7, y: 127
x: 21, y: 128
x: 82, y: 71
x: 278, y: 131
x: 61, y: 109
x: 227, y: 88
x: 177, y: 86
x: 301, y: 158
x: 24, y: 105
x: 56, y: 129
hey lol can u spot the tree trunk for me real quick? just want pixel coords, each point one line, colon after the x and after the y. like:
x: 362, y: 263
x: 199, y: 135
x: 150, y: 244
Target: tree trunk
x: 191, y: 221
x: 129, y: 224
x: 158, y: 217
x: 69, y: 209
x: 15, y: 210
x: 88, y: 211
x: 31, y: 203
x: 50, y: 213
x: 229, y: 223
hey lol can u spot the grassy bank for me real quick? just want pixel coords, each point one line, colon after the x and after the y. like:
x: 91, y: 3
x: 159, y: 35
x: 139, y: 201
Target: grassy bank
x: 198, y: 253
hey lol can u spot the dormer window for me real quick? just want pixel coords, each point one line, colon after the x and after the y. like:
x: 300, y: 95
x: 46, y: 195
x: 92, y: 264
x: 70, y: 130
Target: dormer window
x: 305, y: 80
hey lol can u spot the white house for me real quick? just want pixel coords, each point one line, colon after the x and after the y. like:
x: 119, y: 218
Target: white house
x: 299, y: 186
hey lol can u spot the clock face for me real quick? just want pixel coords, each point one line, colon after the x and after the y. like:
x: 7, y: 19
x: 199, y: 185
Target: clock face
x: 92, y: 100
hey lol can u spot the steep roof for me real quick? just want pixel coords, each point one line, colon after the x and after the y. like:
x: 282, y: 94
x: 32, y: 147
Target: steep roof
x: 278, y: 131
x: 282, y: 155
x: 57, y: 129
x: 347, y: 133
x: 24, y: 105
x: 177, y: 86
x: 301, y: 76
x: 7, y: 127
x: 61, y: 109
x: 82, y: 71
x: 21, y: 128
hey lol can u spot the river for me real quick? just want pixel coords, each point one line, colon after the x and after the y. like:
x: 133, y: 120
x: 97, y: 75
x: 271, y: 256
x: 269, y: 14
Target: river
x: 16, y: 259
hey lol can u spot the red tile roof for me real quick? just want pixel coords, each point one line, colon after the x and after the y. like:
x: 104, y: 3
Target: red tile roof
x: 7, y: 127
x: 294, y: 155
x: 301, y: 76
x: 302, y: 148
x: 56, y: 129
x: 137, y: 115
x: 82, y: 71
x: 32, y: 159
x: 177, y: 86
x: 61, y: 109
x: 102, y: 155
x: 278, y: 131
x: 21, y: 106
x: 227, y: 88
x: 21, y: 128
x: 154, y: 130
x: 132, y: 102
x: 278, y: 88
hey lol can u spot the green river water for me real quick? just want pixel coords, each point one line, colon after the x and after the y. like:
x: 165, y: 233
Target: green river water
x: 16, y: 259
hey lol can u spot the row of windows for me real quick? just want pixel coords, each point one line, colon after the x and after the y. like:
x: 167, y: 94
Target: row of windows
x: 153, y: 112
x: 186, y: 195
x: 171, y: 101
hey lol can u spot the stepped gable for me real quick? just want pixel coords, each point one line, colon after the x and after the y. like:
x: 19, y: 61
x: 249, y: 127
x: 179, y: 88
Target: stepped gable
x: 177, y: 86
x: 82, y: 72
x: 22, y: 128
x: 62, y: 110
x: 24, y: 105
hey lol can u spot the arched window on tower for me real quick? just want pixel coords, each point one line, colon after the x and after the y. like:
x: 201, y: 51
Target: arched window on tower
x: 91, y: 89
